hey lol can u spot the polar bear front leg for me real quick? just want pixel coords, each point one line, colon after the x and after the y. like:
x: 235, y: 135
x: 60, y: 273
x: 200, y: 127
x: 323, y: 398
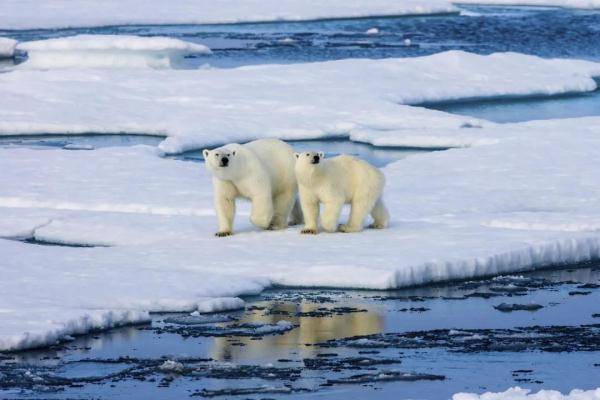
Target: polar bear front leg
x: 225, y: 194
x: 331, y: 215
x: 262, y: 210
x: 310, y: 208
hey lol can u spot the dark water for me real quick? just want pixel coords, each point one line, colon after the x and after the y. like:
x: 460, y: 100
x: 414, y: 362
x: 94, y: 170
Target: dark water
x: 547, y: 32
x: 519, y: 110
x: 341, y: 344
x: 379, y: 156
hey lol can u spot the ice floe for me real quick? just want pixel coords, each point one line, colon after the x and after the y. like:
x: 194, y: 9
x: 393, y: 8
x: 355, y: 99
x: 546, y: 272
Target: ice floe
x: 205, y: 107
x: 31, y: 14
x: 156, y: 215
x: 7, y: 47
x: 108, y: 51
x: 517, y: 393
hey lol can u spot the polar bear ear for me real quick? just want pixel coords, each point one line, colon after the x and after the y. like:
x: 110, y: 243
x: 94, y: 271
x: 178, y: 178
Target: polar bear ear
x: 205, y: 153
x: 321, y: 154
x: 297, y: 155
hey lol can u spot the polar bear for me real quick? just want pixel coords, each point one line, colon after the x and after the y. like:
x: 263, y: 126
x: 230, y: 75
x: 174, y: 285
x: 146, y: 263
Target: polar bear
x: 337, y: 181
x: 261, y: 171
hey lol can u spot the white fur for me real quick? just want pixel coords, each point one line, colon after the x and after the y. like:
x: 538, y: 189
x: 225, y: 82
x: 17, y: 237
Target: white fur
x: 337, y: 181
x: 261, y: 171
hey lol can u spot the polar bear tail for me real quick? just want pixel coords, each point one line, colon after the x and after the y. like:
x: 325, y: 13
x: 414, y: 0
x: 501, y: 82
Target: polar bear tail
x: 296, y: 216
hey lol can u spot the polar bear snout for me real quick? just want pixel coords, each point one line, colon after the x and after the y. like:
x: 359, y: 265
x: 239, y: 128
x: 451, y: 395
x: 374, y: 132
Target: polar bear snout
x: 224, y: 161
x: 315, y: 160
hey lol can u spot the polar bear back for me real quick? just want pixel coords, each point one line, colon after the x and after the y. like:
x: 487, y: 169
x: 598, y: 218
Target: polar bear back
x: 277, y: 158
x: 351, y: 175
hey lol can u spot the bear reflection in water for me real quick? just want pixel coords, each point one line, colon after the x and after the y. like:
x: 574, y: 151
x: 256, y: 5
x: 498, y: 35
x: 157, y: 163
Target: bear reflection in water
x: 316, y: 323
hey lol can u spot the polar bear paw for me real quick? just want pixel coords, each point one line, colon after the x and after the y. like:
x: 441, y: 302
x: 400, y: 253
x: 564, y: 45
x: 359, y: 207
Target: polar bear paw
x: 307, y: 231
x: 377, y: 226
x: 277, y: 225
x: 223, y: 234
x: 347, y: 229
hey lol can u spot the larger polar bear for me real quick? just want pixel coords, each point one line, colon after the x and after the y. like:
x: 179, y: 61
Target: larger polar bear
x: 337, y: 181
x: 261, y: 171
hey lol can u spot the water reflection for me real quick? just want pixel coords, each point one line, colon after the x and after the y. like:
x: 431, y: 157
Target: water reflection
x: 310, y: 330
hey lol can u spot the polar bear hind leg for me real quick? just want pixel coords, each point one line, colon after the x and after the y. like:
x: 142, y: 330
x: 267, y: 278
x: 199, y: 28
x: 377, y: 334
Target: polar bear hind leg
x: 381, y: 216
x: 296, y: 217
x: 361, y: 206
x: 282, y: 207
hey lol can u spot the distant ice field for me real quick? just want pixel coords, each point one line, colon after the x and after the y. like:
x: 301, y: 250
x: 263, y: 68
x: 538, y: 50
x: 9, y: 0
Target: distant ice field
x: 547, y: 32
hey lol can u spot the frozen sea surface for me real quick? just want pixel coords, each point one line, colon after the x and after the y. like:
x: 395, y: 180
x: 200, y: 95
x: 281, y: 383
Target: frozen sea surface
x: 340, y: 345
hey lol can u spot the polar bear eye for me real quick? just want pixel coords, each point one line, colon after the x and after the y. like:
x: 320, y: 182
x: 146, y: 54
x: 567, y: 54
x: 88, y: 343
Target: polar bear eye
x: 307, y: 155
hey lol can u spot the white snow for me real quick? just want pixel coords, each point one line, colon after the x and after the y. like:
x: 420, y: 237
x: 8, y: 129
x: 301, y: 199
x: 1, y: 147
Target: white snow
x: 517, y: 393
x: 523, y: 196
x: 171, y: 366
x: 108, y: 51
x: 7, y: 47
x: 164, y: 256
x: 203, y: 107
x: 32, y: 14
x: 584, y: 4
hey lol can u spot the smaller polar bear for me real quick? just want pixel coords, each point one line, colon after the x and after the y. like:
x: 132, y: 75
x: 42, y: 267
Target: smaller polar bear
x: 337, y: 181
x: 261, y: 171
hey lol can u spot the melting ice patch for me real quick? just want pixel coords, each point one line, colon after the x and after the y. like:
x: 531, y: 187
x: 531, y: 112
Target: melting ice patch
x: 517, y: 393
x: 108, y: 51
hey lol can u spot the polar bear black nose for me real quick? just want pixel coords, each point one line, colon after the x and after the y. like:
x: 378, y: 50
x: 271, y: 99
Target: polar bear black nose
x: 224, y: 161
x: 315, y: 159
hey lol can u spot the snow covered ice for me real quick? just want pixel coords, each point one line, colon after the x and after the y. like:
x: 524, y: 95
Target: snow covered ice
x: 517, y: 393
x: 253, y: 102
x: 156, y: 216
x: 16, y: 14
x: 108, y: 51
x: 7, y: 47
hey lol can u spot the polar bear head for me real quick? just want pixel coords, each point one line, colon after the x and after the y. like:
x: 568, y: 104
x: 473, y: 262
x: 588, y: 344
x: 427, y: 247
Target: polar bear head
x: 309, y: 158
x: 225, y: 162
